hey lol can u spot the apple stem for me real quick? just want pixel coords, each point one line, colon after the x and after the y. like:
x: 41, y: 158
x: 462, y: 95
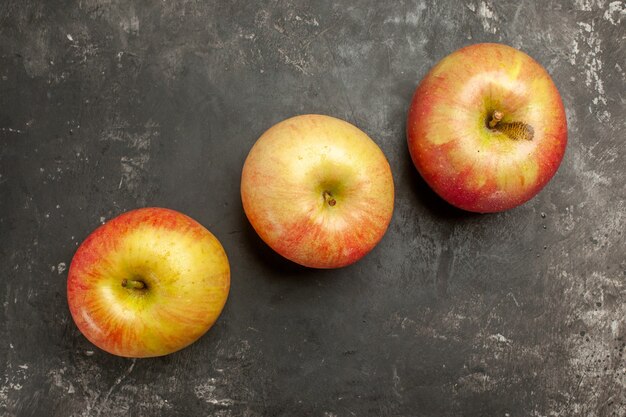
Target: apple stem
x: 496, y: 116
x: 328, y: 197
x: 132, y: 283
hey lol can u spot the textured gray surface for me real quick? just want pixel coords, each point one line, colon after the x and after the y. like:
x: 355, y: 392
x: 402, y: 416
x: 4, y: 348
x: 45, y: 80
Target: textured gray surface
x: 108, y: 105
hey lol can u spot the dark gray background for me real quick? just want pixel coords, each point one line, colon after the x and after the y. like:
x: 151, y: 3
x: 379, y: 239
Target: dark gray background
x: 109, y: 105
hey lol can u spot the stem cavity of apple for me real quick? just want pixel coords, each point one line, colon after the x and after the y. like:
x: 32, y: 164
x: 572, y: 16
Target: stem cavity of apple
x: 328, y: 198
x: 133, y: 284
x: 514, y: 130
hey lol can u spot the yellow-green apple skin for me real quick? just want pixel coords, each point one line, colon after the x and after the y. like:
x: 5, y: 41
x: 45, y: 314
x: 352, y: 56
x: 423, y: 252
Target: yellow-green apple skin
x: 318, y: 191
x: 474, y: 160
x: 147, y: 283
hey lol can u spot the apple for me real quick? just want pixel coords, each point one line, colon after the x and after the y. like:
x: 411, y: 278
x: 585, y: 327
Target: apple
x: 147, y: 283
x: 486, y: 128
x: 318, y: 191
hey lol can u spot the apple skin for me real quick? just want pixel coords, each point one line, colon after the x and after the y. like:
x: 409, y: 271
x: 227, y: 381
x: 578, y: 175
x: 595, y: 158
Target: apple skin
x: 183, y: 266
x: 470, y: 165
x: 318, y: 191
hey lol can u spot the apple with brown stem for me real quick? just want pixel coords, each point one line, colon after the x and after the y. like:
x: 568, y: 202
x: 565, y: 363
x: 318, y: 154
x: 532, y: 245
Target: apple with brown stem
x: 147, y: 283
x: 318, y: 191
x: 487, y: 128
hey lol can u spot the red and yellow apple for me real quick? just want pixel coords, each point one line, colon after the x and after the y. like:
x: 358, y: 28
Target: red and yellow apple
x: 147, y: 283
x: 318, y: 191
x: 486, y: 128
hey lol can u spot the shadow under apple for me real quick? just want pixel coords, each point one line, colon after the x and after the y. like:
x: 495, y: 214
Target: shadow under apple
x: 427, y: 198
x: 271, y: 260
